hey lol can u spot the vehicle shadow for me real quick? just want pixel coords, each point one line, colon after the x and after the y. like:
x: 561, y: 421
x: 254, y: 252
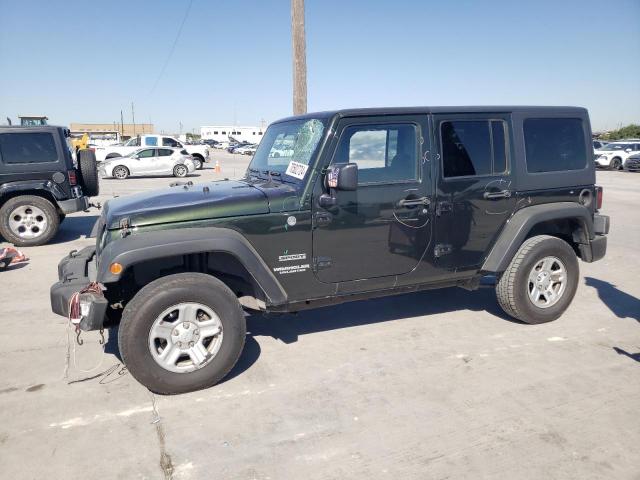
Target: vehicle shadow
x: 620, y: 303
x: 289, y: 327
x: 632, y: 356
x: 75, y: 227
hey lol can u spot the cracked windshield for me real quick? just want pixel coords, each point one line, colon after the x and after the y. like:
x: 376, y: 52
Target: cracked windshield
x: 286, y: 149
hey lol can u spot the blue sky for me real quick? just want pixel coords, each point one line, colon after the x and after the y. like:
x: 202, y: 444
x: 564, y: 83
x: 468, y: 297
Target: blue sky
x: 85, y: 61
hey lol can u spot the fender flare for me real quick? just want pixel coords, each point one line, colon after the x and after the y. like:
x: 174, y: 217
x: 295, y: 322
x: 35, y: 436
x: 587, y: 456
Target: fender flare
x: 159, y: 244
x: 520, y: 224
x: 32, y: 185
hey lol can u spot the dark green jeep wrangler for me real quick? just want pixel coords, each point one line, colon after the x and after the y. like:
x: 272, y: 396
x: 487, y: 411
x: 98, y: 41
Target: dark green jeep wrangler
x: 342, y: 206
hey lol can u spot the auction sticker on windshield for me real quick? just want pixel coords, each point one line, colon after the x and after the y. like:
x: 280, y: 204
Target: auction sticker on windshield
x: 296, y: 170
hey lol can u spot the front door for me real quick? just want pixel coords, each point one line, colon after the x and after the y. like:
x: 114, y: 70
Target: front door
x: 383, y: 228
x: 146, y: 162
x: 475, y: 194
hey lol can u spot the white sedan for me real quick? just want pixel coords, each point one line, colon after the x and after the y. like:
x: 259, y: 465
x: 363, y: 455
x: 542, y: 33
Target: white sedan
x: 149, y: 161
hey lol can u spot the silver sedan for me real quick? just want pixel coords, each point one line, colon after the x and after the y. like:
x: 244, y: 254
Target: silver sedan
x: 149, y: 161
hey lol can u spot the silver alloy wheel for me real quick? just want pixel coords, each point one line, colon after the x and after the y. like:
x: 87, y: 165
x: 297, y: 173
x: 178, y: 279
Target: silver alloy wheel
x: 120, y: 173
x: 185, y: 337
x: 28, y: 221
x: 180, y: 171
x: 547, y: 282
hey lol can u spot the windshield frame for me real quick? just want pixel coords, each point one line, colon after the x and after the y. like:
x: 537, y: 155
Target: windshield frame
x: 268, y: 143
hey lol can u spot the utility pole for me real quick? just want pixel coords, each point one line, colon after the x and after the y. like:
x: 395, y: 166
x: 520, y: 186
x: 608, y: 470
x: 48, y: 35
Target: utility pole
x: 133, y: 117
x: 121, y: 125
x: 299, y: 57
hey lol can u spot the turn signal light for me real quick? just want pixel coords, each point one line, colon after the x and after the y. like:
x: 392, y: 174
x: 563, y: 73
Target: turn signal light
x: 115, y: 268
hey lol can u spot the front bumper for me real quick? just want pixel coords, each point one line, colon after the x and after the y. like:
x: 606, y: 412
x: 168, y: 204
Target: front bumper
x: 74, y: 205
x: 75, y: 272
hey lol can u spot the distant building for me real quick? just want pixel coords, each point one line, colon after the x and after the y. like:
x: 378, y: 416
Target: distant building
x: 111, y: 130
x: 221, y: 133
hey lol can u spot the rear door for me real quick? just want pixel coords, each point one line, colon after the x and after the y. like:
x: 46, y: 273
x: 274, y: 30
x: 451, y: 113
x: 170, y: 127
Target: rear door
x: 165, y: 160
x: 32, y: 154
x: 475, y: 191
x: 383, y: 228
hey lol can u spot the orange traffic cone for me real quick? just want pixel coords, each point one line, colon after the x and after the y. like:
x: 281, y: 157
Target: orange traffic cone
x: 217, y: 168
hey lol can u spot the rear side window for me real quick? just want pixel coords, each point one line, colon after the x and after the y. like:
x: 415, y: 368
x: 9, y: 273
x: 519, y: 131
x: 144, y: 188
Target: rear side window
x: 473, y: 148
x: 36, y: 147
x: 554, y: 144
x: 151, y: 141
x: 169, y: 142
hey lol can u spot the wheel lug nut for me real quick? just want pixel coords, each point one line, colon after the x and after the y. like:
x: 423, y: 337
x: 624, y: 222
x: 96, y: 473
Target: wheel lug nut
x: 191, y: 344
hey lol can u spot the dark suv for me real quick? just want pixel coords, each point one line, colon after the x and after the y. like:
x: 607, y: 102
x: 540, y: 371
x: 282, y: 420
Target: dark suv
x: 40, y: 182
x: 365, y: 203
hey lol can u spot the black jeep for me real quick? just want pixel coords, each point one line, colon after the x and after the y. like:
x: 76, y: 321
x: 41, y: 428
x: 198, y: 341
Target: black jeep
x: 41, y: 182
x: 361, y: 204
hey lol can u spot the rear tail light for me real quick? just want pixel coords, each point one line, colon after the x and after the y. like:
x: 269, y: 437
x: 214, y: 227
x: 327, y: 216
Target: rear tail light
x: 599, y: 195
x: 73, y: 178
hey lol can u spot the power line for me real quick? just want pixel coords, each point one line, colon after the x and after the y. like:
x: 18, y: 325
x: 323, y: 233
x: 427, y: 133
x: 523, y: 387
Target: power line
x: 173, y: 47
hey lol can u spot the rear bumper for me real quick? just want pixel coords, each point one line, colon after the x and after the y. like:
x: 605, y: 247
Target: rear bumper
x: 74, y: 205
x: 74, y: 274
x: 597, y: 248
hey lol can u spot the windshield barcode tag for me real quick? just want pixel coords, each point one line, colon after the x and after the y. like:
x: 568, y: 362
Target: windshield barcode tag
x: 296, y: 170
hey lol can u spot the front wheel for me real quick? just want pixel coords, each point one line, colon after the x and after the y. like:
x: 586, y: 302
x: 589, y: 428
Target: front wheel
x: 541, y: 280
x: 181, y: 333
x: 197, y: 163
x: 120, y: 172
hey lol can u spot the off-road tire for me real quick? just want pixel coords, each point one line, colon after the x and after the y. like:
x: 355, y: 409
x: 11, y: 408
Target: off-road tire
x: 53, y: 220
x: 140, y: 313
x: 88, y: 173
x: 512, y: 287
x: 124, y: 169
x: 180, y: 171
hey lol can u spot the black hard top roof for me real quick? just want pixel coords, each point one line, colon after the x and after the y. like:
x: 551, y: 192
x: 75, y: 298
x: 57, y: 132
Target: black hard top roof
x: 354, y: 112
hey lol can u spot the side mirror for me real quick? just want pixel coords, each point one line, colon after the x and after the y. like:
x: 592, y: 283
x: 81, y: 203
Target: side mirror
x: 342, y: 176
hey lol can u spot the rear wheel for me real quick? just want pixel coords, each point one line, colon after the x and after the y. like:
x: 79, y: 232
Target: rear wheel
x: 180, y: 171
x: 181, y: 333
x: 616, y: 163
x: 540, y: 281
x: 120, y: 172
x: 28, y: 220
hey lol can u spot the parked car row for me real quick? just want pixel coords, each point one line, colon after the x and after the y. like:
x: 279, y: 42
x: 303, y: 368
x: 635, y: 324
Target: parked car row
x: 618, y: 155
x: 243, y: 148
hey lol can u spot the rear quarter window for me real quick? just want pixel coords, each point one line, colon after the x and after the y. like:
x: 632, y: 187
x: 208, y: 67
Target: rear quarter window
x: 554, y: 144
x: 35, y: 147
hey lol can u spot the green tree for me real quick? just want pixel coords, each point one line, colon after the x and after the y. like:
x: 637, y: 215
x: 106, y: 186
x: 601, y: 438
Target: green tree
x: 630, y: 131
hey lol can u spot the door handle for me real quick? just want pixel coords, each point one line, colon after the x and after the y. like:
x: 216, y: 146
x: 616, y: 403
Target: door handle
x: 500, y: 194
x: 414, y: 202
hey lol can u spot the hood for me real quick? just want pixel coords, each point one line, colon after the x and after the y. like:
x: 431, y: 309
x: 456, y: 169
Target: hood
x: 185, y: 203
